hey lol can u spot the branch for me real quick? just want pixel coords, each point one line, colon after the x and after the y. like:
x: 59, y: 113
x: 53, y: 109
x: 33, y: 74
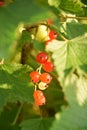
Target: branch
x: 30, y: 27
x: 17, y: 115
x: 74, y: 17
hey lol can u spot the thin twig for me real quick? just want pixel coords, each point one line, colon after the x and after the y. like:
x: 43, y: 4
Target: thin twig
x: 17, y: 115
x: 74, y: 17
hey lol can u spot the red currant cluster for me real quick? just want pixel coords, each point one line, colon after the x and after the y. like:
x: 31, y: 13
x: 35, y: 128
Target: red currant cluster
x: 41, y: 80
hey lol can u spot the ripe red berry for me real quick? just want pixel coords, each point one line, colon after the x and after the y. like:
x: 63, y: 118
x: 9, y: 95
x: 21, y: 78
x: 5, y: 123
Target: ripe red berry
x: 52, y: 35
x: 41, y: 101
x: 38, y: 94
x: 46, y: 78
x: 35, y: 76
x: 2, y: 3
x: 42, y: 57
x: 39, y: 97
x: 48, y: 66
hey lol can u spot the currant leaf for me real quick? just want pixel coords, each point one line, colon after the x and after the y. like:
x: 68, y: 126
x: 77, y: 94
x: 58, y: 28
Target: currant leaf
x: 40, y: 124
x: 73, y: 117
x: 69, y: 54
x: 14, y: 84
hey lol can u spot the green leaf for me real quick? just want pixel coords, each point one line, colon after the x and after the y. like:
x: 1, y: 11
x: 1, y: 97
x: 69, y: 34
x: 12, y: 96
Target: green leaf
x: 73, y: 6
x: 25, y: 38
x: 72, y: 28
x: 55, y: 3
x: 37, y: 124
x: 75, y: 90
x: 54, y: 97
x: 7, y: 117
x: 77, y: 51
x: 84, y: 1
x: 70, y: 6
x: 69, y: 54
x: 39, y: 45
x: 84, y: 68
x: 59, y: 54
x: 14, y: 84
x: 74, y: 117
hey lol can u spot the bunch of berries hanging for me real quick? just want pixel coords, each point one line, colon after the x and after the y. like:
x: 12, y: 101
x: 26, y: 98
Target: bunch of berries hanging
x: 40, y: 79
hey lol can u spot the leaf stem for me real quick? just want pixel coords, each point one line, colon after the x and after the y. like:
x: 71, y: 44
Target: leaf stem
x: 39, y: 69
x: 17, y: 115
x: 62, y: 37
x: 54, y: 27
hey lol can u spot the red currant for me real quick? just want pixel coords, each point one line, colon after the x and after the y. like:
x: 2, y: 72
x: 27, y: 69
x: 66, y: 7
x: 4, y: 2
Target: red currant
x: 52, y: 35
x: 38, y: 94
x: 39, y: 97
x: 48, y: 66
x: 42, y: 57
x: 1, y: 3
x: 41, y: 101
x: 46, y: 78
x: 35, y: 76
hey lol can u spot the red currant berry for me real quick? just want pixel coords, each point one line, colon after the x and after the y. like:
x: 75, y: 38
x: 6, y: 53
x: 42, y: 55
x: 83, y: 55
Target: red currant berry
x: 2, y: 3
x: 39, y: 97
x: 48, y: 66
x: 52, y: 35
x: 42, y: 57
x: 46, y: 78
x: 35, y: 76
x: 37, y: 94
x: 41, y: 101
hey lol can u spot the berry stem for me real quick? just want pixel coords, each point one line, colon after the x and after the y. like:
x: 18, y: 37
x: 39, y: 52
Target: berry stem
x: 35, y: 87
x: 17, y: 115
x: 39, y: 69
